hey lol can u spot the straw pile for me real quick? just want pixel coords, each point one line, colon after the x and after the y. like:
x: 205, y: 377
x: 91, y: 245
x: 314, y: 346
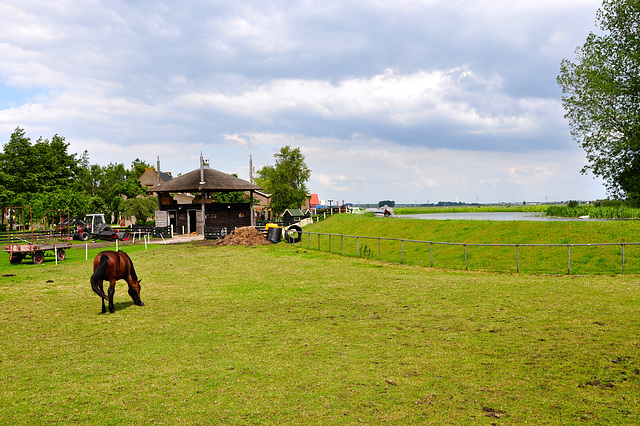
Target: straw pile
x: 245, y: 236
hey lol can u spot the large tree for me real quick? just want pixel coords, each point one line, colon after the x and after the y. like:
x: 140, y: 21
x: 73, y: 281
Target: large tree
x: 43, y: 175
x: 286, y: 181
x: 46, y: 176
x: 42, y: 167
x: 601, y: 96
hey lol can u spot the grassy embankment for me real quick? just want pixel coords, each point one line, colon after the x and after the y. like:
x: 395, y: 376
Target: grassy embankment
x: 606, y: 210
x: 584, y: 259
x: 282, y: 335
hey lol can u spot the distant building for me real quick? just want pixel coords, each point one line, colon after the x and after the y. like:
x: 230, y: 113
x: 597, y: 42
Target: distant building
x: 150, y: 178
x: 291, y: 216
x: 262, y: 201
x: 314, y: 203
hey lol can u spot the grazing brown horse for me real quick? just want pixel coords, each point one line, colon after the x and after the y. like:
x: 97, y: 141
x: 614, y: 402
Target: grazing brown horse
x: 113, y: 266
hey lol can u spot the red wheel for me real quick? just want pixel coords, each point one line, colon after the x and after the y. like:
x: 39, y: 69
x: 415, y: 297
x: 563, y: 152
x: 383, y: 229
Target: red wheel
x: 16, y: 258
x: 38, y: 258
x: 61, y: 255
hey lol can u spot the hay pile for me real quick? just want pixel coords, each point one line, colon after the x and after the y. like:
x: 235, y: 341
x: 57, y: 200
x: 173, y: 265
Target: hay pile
x: 245, y: 236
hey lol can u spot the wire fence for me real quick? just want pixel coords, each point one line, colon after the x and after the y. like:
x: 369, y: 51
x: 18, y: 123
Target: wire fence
x: 576, y: 259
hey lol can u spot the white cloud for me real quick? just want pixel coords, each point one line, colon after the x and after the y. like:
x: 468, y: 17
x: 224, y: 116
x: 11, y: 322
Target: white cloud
x: 442, y: 96
x: 457, y: 96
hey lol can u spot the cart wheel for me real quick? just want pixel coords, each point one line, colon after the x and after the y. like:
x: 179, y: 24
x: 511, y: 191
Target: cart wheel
x: 61, y: 255
x: 38, y: 258
x: 16, y: 258
x: 84, y: 236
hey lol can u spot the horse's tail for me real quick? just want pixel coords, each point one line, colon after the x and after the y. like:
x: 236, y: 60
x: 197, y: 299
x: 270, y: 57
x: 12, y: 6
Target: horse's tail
x: 95, y: 278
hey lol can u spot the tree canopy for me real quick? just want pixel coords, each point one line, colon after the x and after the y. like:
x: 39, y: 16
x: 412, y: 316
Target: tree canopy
x: 601, y: 96
x: 45, y: 176
x: 286, y: 181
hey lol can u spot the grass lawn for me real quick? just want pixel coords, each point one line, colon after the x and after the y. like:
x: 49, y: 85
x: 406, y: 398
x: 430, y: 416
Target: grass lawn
x: 589, y: 260
x: 283, y: 335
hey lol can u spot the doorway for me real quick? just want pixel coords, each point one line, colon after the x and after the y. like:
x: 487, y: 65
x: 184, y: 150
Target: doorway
x: 192, y: 222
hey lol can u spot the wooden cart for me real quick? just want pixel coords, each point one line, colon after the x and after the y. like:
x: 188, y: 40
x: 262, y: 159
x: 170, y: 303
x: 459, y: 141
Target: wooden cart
x: 36, y: 245
x: 37, y: 252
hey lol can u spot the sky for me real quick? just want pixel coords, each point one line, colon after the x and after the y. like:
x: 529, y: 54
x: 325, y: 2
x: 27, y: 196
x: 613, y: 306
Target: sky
x: 415, y: 101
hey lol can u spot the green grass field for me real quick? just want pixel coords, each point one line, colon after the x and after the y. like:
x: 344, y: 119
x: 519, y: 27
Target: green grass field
x: 592, y: 260
x: 284, y: 335
x: 606, y: 210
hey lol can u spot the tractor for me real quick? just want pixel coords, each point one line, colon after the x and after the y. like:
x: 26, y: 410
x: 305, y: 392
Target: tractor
x: 94, y: 226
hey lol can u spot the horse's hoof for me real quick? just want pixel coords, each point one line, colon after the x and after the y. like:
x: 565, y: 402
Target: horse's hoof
x: 141, y: 303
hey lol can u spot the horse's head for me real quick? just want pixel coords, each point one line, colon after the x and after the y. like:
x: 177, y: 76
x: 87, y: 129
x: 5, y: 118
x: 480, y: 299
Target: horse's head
x: 134, y: 292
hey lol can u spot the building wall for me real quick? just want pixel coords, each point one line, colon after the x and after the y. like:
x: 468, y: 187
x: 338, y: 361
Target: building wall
x: 218, y: 215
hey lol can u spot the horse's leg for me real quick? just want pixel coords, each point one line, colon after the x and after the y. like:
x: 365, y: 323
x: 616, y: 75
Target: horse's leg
x: 104, y: 309
x: 112, y: 291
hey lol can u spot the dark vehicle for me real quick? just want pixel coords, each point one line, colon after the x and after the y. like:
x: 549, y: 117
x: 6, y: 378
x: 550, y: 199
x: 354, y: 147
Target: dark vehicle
x: 94, y: 226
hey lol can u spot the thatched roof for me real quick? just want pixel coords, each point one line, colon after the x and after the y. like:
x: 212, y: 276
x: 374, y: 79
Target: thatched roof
x: 214, y: 181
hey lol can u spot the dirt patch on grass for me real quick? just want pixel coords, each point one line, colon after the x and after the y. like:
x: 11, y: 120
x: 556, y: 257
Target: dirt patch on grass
x: 245, y: 236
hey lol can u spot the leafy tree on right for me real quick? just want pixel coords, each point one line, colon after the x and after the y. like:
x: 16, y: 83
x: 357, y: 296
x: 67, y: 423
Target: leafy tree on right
x: 286, y: 181
x: 601, y: 96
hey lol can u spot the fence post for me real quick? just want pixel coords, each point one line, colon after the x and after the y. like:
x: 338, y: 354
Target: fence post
x: 357, y: 246
x: 623, y: 259
x: 431, y: 254
x: 466, y: 261
x: 568, y: 259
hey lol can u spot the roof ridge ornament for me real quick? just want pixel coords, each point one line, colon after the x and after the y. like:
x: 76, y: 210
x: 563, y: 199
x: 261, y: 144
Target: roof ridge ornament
x: 202, y: 181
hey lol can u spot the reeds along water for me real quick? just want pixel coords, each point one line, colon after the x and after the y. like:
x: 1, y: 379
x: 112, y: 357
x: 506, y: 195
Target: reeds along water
x: 596, y: 212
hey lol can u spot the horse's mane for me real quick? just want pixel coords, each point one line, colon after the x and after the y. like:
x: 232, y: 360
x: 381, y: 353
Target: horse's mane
x: 133, y: 270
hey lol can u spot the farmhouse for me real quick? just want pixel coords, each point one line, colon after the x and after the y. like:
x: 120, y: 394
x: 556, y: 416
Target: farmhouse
x: 186, y: 213
x: 150, y: 177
